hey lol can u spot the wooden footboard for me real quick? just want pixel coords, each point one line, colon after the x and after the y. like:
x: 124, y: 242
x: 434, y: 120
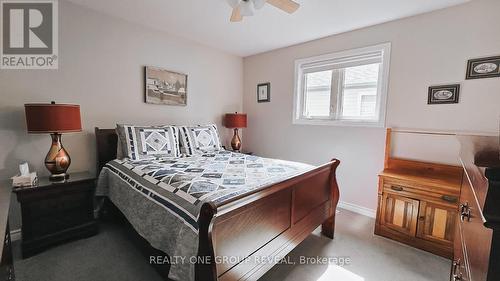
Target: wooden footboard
x: 243, y: 238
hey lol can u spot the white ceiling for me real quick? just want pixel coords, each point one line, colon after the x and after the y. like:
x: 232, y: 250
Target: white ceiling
x: 207, y: 21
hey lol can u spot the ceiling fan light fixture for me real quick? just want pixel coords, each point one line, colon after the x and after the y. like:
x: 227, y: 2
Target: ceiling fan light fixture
x: 258, y: 4
x: 246, y: 8
x: 234, y: 3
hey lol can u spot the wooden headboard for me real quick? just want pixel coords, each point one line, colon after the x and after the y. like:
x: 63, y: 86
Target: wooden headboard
x: 106, y: 143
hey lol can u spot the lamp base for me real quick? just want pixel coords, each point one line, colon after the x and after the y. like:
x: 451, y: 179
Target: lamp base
x: 236, y: 141
x: 59, y: 177
x: 57, y: 160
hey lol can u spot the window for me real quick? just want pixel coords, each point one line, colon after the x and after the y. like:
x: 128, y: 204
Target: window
x: 345, y: 88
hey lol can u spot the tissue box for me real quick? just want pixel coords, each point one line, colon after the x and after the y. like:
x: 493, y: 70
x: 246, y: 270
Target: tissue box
x: 28, y: 180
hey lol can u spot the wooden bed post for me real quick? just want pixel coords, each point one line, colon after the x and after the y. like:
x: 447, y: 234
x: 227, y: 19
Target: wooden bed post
x: 106, y: 143
x: 205, y: 269
x: 328, y: 227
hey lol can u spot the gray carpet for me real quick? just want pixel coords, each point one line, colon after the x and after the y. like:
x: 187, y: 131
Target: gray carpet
x: 373, y: 258
x: 109, y: 256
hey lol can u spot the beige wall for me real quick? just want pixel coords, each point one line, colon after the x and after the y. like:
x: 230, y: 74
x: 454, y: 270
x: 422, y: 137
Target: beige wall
x: 101, y: 68
x: 426, y: 50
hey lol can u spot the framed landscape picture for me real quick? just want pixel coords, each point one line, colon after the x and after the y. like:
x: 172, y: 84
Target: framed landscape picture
x: 165, y: 87
x: 483, y: 68
x: 443, y: 94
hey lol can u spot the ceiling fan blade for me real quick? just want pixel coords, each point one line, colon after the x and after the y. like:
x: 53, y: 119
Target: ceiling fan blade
x: 236, y: 15
x: 288, y: 6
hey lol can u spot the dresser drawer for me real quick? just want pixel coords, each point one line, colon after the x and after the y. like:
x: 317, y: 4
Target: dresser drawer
x: 414, y: 190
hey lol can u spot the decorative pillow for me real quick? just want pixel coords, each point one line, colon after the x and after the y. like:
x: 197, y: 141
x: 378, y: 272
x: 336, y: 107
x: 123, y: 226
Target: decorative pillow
x: 148, y: 142
x: 199, y: 139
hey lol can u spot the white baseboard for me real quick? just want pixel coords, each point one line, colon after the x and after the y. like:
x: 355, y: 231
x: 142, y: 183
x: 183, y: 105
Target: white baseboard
x: 15, y: 234
x: 357, y: 209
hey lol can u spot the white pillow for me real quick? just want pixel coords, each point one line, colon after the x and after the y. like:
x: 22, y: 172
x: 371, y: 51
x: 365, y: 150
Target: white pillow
x: 149, y: 142
x: 199, y: 139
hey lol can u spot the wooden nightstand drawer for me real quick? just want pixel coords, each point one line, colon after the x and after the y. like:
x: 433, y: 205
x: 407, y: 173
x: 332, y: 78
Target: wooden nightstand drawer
x: 57, y: 204
x: 55, y: 222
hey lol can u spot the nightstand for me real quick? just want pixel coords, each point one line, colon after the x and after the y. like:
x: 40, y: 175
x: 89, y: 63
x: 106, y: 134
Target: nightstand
x: 242, y: 152
x: 55, y: 212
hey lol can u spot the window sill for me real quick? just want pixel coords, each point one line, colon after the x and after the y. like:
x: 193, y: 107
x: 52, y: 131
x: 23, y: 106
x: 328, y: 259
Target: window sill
x: 341, y: 123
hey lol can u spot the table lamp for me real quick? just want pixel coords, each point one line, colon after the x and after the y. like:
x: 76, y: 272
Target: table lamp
x: 235, y: 121
x: 54, y: 119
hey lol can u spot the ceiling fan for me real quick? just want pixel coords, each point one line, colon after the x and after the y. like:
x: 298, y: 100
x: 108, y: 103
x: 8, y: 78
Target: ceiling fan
x: 243, y: 8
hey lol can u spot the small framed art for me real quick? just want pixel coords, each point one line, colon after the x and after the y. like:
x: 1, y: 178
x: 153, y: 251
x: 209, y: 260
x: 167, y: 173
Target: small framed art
x: 264, y: 92
x: 443, y: 94
x: 483, y: 68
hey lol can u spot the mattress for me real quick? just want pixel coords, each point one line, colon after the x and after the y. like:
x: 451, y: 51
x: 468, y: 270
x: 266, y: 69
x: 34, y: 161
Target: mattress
x: 162, y: 198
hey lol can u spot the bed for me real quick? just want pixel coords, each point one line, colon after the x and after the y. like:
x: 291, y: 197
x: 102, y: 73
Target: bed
x: 227, y: 234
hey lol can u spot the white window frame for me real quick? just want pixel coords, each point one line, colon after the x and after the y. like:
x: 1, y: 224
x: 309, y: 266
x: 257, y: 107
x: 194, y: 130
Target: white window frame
x: 336, y: 60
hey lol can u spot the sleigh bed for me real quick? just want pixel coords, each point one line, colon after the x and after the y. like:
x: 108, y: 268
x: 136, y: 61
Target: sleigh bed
x: 242, y: 236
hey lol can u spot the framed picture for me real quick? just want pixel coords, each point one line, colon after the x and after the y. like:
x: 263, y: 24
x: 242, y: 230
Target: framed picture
x: 165, y: 87
x: 264, y: 92
x: 483, y: 68
x: 443, y: 94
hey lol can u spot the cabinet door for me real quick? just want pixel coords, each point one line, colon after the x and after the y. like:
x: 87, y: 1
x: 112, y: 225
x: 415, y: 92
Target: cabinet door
x: 400, y: 213
x: 437, y: 223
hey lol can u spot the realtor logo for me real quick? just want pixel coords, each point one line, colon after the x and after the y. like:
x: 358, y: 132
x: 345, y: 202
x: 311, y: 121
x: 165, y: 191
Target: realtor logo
x: 29, y: 34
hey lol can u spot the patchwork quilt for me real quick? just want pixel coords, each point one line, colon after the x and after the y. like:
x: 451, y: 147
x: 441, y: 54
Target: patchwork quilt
x: 162, y: 198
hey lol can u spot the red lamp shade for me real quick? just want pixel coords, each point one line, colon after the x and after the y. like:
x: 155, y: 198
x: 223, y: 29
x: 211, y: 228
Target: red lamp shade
x: 53, y: 118
x: 235, y: 120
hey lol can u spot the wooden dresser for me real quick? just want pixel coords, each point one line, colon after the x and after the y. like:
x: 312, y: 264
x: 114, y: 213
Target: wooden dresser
x: 477, y: 243
x: 418, y: 203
